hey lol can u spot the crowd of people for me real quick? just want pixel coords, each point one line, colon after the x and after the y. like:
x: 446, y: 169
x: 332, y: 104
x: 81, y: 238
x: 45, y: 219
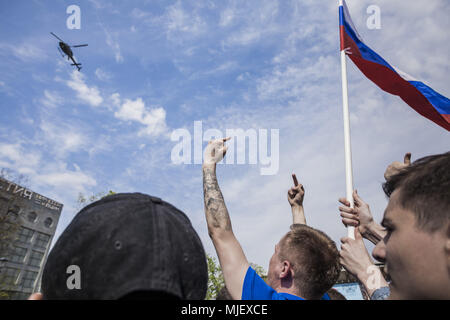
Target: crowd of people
x: 135, y: 246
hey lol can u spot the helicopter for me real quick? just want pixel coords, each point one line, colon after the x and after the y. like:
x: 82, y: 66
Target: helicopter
x: 64, y: 48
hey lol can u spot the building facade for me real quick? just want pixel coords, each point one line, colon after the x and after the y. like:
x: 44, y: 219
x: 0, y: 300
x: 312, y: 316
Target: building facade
x: 28, y: 223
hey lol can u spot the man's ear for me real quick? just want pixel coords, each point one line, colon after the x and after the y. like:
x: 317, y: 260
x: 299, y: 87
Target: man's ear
x: 286, y: 270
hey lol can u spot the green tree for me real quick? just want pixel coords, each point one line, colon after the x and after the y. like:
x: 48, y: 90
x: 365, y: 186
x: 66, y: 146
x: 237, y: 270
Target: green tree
x: 215, y: 277
x: 259, y: 270
x: 84, y: 201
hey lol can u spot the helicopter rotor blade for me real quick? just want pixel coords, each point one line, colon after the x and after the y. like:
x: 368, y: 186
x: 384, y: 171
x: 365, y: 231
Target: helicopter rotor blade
x: 56, y: 36
x: 80, y: 45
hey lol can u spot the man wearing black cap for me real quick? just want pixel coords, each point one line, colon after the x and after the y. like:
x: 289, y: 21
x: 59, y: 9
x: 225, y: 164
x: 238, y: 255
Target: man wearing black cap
x: 305, y: 263
x: 127, y: 246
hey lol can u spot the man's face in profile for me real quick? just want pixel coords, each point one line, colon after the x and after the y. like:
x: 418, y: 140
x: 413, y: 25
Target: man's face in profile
x: 416, y: 260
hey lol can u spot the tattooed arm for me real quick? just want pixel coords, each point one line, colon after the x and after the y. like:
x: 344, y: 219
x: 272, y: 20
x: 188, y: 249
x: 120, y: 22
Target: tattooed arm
x: 232, y: 259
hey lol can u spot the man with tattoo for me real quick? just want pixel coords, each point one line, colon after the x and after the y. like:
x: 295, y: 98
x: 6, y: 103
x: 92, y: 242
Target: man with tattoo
x: 305, y: 263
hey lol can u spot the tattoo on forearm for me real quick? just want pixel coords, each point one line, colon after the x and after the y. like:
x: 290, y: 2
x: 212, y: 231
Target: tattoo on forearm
x: 375, y: 236
x: 215, y: 209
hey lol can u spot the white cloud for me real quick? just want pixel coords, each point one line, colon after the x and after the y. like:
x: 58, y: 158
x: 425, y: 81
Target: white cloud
x: 26, y: 51
x: 24, y: 159
x: 226, y: 17
x: 115, y: 98
x: 153, y: 119
x: 52, y: 99
x: 294, y: 79
x: 244, y: 37
x: 113, y: 43
x: 45, y: 177
x: 77, y: 180
x: 6, y: 88
x: 243, y: 76
x: 64, y: 138
x: 181, y: 23
x: 103, y: 75
x: 131, y: 110
x: 139, y: 14
x: 155, y: 122
x: 220, y: 69
x: 90, y: 95
x: 14, y: 156
x: 256, y: 21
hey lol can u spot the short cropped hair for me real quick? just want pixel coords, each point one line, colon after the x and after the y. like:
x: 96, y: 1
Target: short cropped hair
x: 314, y: 259
x: 424, y: 189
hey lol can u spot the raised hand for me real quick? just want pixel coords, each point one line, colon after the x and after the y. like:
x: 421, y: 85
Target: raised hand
x: 295, y: 197
x: 296, y: 193
x: 396, y: 166
x: 215, y: 151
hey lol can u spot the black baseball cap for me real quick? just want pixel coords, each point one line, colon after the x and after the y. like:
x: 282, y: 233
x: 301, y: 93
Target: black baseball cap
x: 125, y: 244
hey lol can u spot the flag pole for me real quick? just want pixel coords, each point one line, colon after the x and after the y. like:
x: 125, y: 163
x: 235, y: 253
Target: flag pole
x: 347, y: 143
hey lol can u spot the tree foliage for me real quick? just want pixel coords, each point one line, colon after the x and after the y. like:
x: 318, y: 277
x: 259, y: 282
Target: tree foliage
x: 215, y: 277
x: 84, y: 201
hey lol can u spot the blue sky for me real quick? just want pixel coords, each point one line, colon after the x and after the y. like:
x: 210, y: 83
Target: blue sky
x: 152, y: 67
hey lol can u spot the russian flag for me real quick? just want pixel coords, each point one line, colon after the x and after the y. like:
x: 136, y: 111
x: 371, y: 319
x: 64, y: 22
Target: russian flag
x: 416, y: 94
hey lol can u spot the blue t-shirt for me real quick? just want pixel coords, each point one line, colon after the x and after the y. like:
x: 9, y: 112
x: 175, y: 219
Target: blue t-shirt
x: 255, y: 288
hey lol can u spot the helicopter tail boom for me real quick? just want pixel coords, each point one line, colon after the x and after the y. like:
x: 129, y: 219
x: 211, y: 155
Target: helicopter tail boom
x: 78, y: 65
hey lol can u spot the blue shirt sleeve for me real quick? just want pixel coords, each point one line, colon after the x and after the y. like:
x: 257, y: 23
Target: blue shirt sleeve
x: 255, y: 288
x: 325, y: 297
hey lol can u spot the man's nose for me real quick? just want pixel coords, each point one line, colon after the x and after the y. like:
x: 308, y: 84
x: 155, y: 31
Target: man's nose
x: 379, y: 252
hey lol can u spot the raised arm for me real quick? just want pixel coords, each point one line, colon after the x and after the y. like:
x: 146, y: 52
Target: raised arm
x: 232, y: 259
x: 295, y: 199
